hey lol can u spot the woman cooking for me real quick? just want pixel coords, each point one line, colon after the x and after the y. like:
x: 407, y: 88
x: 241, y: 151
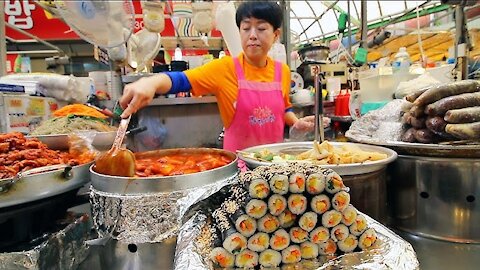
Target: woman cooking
x: 252, y: 90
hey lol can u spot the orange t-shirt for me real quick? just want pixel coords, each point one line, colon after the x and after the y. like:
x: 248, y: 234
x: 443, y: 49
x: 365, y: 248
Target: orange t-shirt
x: 218, y: 77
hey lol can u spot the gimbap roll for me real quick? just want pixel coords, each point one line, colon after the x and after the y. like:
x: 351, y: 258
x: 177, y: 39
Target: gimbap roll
x: 291, y: 254
x: 320, y: 204
x: 296, y: 183
x: 268, y: 223
x: 270, y: 258
x: 246, y: 225
x: 308, y: 221
x: 333, y: 183
x: 235, y: 242
x: 349, y: 215
x: 279, y: 240
x: 340, y: 201
x: 319, y: 234
x: 276, y: 204
x: 258, y: 242
x: 259, y: 189
x: 328, y: 247
x: 222, y: 258
x: 298, y: 235
x: 297, y: 204
x: 256, y: 208
x: 315, y: 183
x: 309, y: 250
x: 367, y: 238
x: 359, y: 226
x: 339, y: 232
x: 287, y: 219
x: 246, y: 259
x: 349, y: 244
x: 279, y: 184
x: 331, y: 218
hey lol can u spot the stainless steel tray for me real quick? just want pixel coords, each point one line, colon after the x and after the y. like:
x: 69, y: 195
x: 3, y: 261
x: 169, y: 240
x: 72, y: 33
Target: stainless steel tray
x: 341, y: 169
x: 30, y: 186
x: 101, y: 141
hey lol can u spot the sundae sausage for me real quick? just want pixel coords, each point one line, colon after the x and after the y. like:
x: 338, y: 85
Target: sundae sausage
x: 417, y: 111
x: 418, y: 122
x: 413, y: 96
x: 443, y: 105
x: 436, y: 93
x: 464, y: 131
x: 464, y: 115
x: 425, y: 136
x: 409, y: 135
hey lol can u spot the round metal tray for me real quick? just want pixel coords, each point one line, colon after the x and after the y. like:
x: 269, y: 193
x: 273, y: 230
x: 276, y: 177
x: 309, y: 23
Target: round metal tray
x: 101, y: 141
x: 341, y: 169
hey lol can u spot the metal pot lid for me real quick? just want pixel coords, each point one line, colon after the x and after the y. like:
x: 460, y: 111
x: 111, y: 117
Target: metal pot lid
x: 341, y: 169
x: 142, y: 185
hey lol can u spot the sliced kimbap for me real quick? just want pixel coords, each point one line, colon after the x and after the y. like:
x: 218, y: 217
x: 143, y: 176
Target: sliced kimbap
x: 327, y: 248
x: 320, y: 204
x: 334, y: 183
x: 291, y: 254
x: 331, y: 218
x: 339, y: 232
x: 259, y: 188
x: 258, y: 242
x: 287, y: 219
x: 279, y: 240
x: 296, y: 183
x: 297, y: 204
x: 235, y: 243
x: 367, y: 239
x: 319, y: 234
x: 246, y: 259
x: 315, y: 183
x: 340, y: 200
x: 270, y: 258
x: 298, y: 235
x: 279, y: 184
x: 256, y: 208
x: 359, y: 226
x: 308, y: 221
x: 349, y: 215
x: 246, y: 225
x: 268, y: 223
x: 309, y: 250
x: 349, y: 244
x: 221, y: 257
x: 276, y: 204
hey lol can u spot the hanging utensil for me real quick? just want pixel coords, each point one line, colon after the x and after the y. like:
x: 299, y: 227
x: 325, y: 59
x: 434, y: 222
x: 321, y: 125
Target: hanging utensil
x: 319, y: 132
x: 117, y: 161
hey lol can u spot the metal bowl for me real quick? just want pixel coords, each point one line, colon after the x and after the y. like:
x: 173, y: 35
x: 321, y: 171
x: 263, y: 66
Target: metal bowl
x: 142, y: 185
x: 341, y: 169
x: 101, y: 141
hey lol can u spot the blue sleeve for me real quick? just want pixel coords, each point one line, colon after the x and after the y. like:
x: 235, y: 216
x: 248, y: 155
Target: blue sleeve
x: 180, y: 82
x: 289, y: 109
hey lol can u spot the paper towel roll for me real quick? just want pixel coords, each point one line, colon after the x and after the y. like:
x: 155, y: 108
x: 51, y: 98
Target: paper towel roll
x: 225, y: 22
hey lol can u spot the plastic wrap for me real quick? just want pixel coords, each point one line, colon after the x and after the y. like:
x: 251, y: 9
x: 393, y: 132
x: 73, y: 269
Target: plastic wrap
x: 389, y: 252
x: 146, y: 218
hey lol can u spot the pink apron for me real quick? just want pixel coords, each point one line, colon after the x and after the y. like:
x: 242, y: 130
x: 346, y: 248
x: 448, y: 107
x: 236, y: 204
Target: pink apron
x: 259, y: 113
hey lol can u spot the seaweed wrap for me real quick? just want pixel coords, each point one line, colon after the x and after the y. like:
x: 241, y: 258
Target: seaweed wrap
x: 308, y: 250
x: 320, y: 204
x: 232, y: 241
x: 339, y: 233
x: 280, y: 240
x: 328, y: 247
x: 246, y: 225
x: 315, y: 183
x: 270, y: 258
x: 348, y: 244
x: 276, y: 204
x: 331, y: 218
x: 308, y: 221
x: 359, y: 226
x: 291, y: 254
x: 367, y: 239
x: 246, y: 259
x: 256, y: 208
x: 340, y: 201
x: 297, y: 204
x: 349, y: 215
x: 279, y: 184
x: 333, y: 183
x: 258, y: 242
x: 296, y: 183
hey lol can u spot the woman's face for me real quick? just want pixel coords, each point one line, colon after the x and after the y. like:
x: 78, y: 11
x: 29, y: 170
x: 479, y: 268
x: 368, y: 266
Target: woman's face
x: 257, y: 37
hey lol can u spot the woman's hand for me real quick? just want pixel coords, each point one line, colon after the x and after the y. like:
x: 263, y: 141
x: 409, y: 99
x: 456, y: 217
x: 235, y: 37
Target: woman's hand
x: 307, y: 123
x: 137, y: 95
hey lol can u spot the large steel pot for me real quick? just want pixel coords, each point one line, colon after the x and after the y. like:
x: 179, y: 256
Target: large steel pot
x: 317, y: 52
x: 436, y: 197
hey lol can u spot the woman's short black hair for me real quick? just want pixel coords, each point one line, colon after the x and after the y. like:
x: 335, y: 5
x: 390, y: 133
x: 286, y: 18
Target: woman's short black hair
x: 269, y: 11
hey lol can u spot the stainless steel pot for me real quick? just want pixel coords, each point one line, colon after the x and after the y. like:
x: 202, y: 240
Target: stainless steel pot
x: 316, y: 52
x: 436, y: 197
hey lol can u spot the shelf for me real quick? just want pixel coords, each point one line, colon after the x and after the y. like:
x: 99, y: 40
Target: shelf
x: 183, y: 101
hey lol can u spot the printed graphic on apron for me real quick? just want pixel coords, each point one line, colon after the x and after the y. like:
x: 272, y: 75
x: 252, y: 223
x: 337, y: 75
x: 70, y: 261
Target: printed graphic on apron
x: 261, y: 116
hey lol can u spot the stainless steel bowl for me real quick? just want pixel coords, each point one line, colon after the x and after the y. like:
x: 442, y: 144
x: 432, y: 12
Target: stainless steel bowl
x: 101, y: 140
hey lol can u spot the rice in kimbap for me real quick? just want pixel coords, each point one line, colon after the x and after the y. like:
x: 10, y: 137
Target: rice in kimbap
x: 287, y: 219
x: 319, y: 234
x: 270, y: 258
x: 315, y: 183
x: 339, y: 232
x: 256, y: 208
x: 246, y: 225
x: 320, y: 204
x: 276, y: 204
x: 221, y: 257
x: 340, y: 201
x: 279, y: 184
x: 258, y: 242
x: 259, y: 189
x: 349, y: 244
x: 349, y: 215
x: 331, y: 218
x: 296, y: 183
x: 268, y: 223
x: 246, y: 259
x: 308, y: 221
x: 334, y: 183
x: 297, y: 204
x: 309, y: 250
x: 327, y: 248
x: 367, y: 239
x: 359, y: 226
x: 298, y: 235
x: 235, y: 243
x: 291, y: 254
x: 279, y: 240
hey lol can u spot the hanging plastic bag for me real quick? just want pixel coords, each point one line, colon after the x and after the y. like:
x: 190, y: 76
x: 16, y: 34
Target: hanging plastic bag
x: 154, y: 136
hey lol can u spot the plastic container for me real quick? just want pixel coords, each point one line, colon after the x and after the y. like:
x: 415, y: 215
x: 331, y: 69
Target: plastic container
x: 402, y: 60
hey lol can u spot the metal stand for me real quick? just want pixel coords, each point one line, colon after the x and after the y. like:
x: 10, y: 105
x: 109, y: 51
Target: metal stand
x: 319, y: 132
